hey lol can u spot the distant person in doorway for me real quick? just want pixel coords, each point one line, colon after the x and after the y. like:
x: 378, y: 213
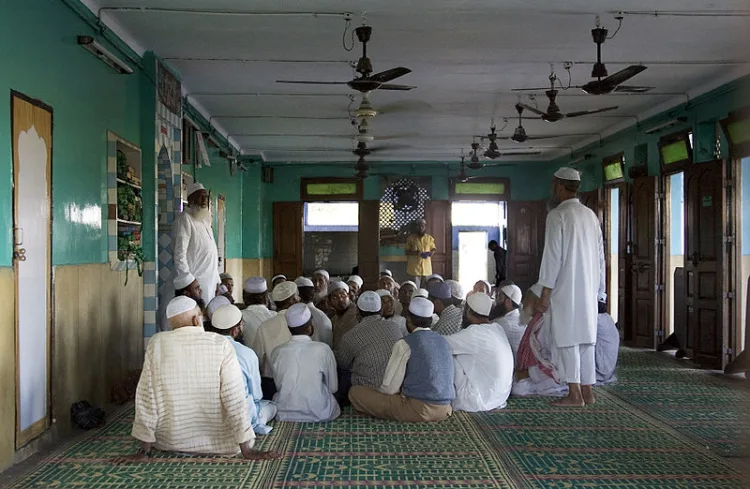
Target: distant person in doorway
x: 500, y: 261
x: 420, y: 247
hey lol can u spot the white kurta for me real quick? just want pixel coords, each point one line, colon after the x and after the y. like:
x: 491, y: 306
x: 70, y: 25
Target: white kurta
x: 254, y: 316
x: 607, y: 349
x: 322, y: 325
x: 573, y: 267
x: 483, y: 364
x: 513, y: 330
x: 195, y: 252
x: 271, y: 334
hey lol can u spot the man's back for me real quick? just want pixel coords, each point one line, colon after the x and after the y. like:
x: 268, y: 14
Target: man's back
x: 271, y: 334
x: 607, y: 348
x: 366, y: 349
x: 429, y: 370
x: 323, y: 329
x: 449, y: 322
x: 513, y: 329
x: 255, y: 315
x: 343, y: 323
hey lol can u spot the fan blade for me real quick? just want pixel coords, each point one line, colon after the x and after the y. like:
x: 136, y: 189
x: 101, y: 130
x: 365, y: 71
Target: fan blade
x: 406, y: 135
x: 623, y: 75
x: 391, y: 86
x: 308, y: 82
x: 388, y: 75
x: 632, y: 89
x: 589, y: 112
x: 532, y: 109
x: 486, y: 165
x: 520, y: 153
x: 529, y: 89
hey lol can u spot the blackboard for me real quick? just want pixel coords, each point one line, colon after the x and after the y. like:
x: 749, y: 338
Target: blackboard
x: 332, y: 251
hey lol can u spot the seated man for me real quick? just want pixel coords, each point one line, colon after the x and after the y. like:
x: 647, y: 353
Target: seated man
x: 321, y: 279
x: 389, y: 310
x: 344, y: 311
x: 212, y: 306
x: 227, y: 321
x: 405, y: 293
x: 607, y: 345
x: 256, y: 312
x: 386, y: 282
x: 188, y: 286
x: 508, y: 311
x: 536, y: 370
x: 482, y: 286
x: 433, y: 279
x: 421, y: 367
x: 445, y: 307
x: 483, y: 360
x: 355, y: 283
x: 277, y: 279
x: 323, y: 330
x: 191, y: 396
x: 304, y: 372
x: 228, y: 282
x: 365, y: 350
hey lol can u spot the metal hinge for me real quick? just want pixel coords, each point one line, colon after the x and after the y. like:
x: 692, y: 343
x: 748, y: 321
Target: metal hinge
x: 659, y: 287
x: 728, y: 295
x: 728, y: 351
x: 660, y: 196
x: 660, y: 241
x: 728, y: 239
x: 659, y: 333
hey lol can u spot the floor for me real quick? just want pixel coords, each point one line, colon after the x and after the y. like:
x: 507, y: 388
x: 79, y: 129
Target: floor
x: 663, y: 425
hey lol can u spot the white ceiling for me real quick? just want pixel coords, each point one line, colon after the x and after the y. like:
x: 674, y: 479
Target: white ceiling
x: 465, y: 58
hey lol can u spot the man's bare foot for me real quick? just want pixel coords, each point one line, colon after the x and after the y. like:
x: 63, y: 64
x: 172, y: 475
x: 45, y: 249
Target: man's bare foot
x: 259, y: 455
x: 588, y: 395
x: 136, y: 458
x: 568, y: 401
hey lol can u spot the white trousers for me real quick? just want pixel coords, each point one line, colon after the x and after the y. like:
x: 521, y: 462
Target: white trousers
x: 578, y: 364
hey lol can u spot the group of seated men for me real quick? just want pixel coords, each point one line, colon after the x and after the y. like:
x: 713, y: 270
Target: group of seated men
x: 218, y: 378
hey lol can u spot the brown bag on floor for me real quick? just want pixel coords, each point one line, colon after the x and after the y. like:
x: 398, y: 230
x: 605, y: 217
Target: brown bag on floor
x: 124, y: 390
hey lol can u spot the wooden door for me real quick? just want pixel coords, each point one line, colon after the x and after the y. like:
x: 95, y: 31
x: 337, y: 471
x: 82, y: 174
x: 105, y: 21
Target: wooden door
x: 643, y: 267
x: 593, y: 200
x: 680, y: 308
x: 287, y: 238
x: 526, y: 223
x: 704, y: 262
x: 438, y: 215
x: 624, y: 277
x: 368, y: 247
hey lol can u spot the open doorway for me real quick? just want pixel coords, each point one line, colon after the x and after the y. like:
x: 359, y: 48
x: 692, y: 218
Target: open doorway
x: 675, y: 223
x: 613, y: 245
x: 744, y: 230
x: 330, y: 237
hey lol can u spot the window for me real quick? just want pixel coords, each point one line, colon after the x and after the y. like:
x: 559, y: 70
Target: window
x: 481, y: 189
x: 330, y: 189
x: 737, y: 129
x: 676, y: 152
x: 485, y: 214
x: 188, y: 142
x: 614, y: 169
x: 331, y: 216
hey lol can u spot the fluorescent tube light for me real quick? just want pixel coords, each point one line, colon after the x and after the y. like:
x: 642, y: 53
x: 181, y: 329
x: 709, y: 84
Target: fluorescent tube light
x: 89, y: 44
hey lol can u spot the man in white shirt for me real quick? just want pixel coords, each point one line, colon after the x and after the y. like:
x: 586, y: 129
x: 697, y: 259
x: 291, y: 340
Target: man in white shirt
x: 323, y: 330
x: 483, y: 360
x: 509, y: 314
x: 573, y: 274
x: 305, y: 373
x: 256, y: 312
x: 607, y: 344
x: 195, y: 406
x: 185, y: 284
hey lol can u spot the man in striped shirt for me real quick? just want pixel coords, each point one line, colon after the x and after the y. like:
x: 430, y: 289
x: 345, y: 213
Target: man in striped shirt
x: 445, y: 306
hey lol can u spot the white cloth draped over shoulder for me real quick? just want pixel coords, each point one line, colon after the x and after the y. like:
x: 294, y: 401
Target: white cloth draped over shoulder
x: 195, y: 252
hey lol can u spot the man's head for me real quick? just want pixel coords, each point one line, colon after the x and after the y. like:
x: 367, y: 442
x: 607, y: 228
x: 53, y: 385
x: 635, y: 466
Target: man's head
x: 285, y: 295
x: 565, y: 184
x: 321, y: 278
x: 483, y: 286
x: 299, y: 320
x: 214, y: 304
x: 492, y: 246
x: 338, y: 296
x: 187, y: 285
x: 369, y: 304
x: 479, y: 308
x: 183, y: 311
x: 603, y: 303
x: 355, y: 283
x: 530, y: 301
x: 198, y: 203
x: 389, y: 305
x: 434, y: 279
x: 440, y: 295
x: 421, y: 227
x: 508, y: 299
x: 405, y: 292
x: 386, y: 282
x: 306, y: 289
x: 457, y: 292
x: 227, y: 281
x: 255, y: 292
x: 277, y: 279
x: 420, y: 314
x: 227, y: 320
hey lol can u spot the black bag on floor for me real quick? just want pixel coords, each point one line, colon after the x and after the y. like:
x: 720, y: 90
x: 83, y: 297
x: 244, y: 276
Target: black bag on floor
x: 86, y: 416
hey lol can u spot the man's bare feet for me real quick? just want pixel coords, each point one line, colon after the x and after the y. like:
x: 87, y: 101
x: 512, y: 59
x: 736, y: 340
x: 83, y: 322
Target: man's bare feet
x: 588, y: 395
x: 136, y: 458
x: 250, y: 454
x: 568, y: 401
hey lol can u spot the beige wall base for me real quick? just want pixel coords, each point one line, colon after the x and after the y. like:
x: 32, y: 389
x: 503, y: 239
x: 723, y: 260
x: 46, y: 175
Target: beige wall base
x: 7, y: 367
x: 235, y: 269
x: 258, y: 267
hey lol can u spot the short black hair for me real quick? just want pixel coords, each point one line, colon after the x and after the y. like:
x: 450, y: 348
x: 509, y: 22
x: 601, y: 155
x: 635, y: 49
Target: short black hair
x: 307, y: 294
x: 570, y: 185
x: 207, y: 326
x: 300, y: 330
x: 444, y: 302
x: 419, y: 321
x: 365, y: 314
x: 179, y: 292
x: 493, y: 243
x: 602, y: 307
x: 254, y: 299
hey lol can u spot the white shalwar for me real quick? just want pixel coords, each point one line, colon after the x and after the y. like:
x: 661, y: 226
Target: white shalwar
x: 483, y: 364
x: 607, y: 349
x: 254, y: 316
x: 513, y: 329
x: 573, y: 267
x: 195, y: 252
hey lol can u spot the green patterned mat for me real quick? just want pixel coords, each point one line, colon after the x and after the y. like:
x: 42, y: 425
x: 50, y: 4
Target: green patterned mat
x: 527, y: 445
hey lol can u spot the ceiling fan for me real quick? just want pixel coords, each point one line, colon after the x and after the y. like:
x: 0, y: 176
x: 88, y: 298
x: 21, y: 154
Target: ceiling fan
x: 520, y: 136
x: 553, y: 113
x: 368, y: 81
x: 476, y: 164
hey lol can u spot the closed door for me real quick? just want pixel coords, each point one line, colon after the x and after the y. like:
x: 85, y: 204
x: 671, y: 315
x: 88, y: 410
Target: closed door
x: 704, y: 259
x: 624, y: 277
x: 287, y: 238
x: 439, y: 225
x: 643, y: 262
x: 32, y: 159
x: 526, y: 222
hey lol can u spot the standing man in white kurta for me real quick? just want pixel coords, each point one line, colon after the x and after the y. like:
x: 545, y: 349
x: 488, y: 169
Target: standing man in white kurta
x: 195, y: 250
x: 572, y: 274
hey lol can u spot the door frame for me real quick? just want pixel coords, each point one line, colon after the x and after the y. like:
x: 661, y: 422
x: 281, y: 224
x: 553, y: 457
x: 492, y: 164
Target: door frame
x: 35, y: 430
x: 221, y: 205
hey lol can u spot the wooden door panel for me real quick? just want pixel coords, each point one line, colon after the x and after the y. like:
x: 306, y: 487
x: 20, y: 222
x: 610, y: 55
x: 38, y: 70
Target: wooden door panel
x: 368, y: 247
x: 643, y: 262
x: 438, y: 215
x: 287, y: 238
x: 526, y: 222
x: 680, y: 307
x: 623, y: 262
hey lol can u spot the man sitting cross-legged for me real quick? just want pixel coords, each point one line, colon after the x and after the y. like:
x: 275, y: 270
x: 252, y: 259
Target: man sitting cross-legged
x: 607, y: 344
x: 509, y: 314
x: 446, y: 308
x: 421, y: 367
x: 191, y: 396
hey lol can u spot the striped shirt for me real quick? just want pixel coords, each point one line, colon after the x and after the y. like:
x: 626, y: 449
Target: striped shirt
x: 450, y: 321
x: 366, y: 349
x: 191, y: 395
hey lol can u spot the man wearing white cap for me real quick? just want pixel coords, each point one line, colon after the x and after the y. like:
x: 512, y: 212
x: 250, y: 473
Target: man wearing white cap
x: 420, y: 368
x: 256, y: 312
x: 185, y: 284
x: 405, y: 291
x: 195, y: 250
x: 277, y: 279
x: 509, y: 315
x: 445, y: 306
x: 355, y: 283
x: 389, y: 310
x: 191, y: 395
x: 227, y: 321
x: 364, y: 351
x: 227, y: 286
x: 483, y: 360
x: 344, y: 316
x: 321, y: 323
x: 212, y: 306
x: 607, y: 344
x: 321, y: 279
x: 572, y: 274
x: 304, y: 372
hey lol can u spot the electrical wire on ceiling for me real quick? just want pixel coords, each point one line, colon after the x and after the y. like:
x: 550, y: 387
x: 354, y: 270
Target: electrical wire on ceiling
x: 685, y: 13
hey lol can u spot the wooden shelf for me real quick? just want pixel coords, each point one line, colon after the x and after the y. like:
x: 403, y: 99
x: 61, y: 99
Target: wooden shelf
x: 125, y: 182
x: 130, y: 223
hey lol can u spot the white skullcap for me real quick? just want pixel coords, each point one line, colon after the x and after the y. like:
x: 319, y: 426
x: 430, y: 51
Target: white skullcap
x: 216, y: 303
x: 225, y: 276
x: 369, y: 302
x: 386, y: 273
x: 602, y: 297
x: 334, y: 286
x: 489, y: 285
x: 565, y: 173
x: 298, y: 315
x: 409, y: 282
x: 356, y: 279
x: 273, y: 279
x: 480, y: 304
x: 457, y: 290
x: 436, y: 277
x: 322, y: 272
x: 420, y: 293
x: 421, y: 307
x: 513, y: 292
x: 223, y: 289
x: 283, y: 291
x: 304, y: 282
x: 180, y: 305
x: 537, y: 290
x: 226, y: 317
x: 183, y: 280
x: 383, y: 293
x: 255, y: 285
x: 194, y: 187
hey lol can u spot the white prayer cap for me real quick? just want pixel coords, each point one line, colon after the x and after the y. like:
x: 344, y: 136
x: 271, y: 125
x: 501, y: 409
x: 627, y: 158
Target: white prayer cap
x: 356, y: 279
x: 480, y: 304
x: 435, y: 277
x: 183, y: 280
x: 275, y: 277
x: 537, y: 290
x: 383, y: 293
x: 513, y: 292
x: 226, y: 317
x: 216, y: 303
x: 486, y: 283
x: 304, y: 282
x: 223, y: 289
x: 194, y: 187
x: 283, y: 291
x: 322, y: 272
x: 421, y: 307
x: 457, y: 290
x: 409, y: 282
x: 565, y: 173
x: 334, y: 286
x: 369, y: 302
x: 386, y: 273
x: 420, y: 293
x: 180, y: 305
x: 255, y: 285
x: 298, y: 315
x: 602, y: 297
x: 225, y: 276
